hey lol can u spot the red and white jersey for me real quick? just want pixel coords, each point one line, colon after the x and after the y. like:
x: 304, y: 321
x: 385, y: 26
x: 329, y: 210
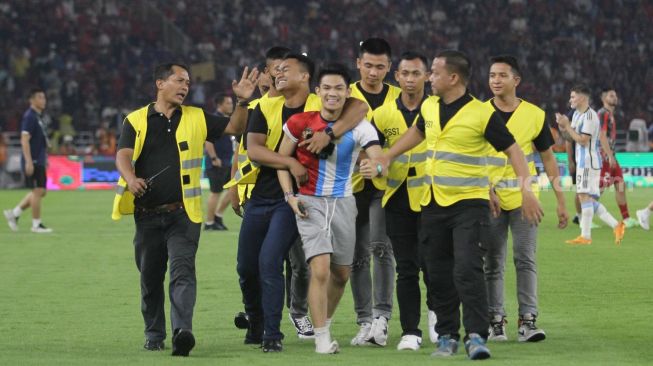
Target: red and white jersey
x: 329, y: 177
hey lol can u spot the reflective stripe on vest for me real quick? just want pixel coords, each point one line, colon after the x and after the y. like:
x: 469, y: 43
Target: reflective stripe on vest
x: 513, y: 183
x: 457, y: 181
x: 191, y: 163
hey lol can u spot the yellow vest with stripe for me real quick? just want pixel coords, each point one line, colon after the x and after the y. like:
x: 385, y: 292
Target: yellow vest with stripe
x: 244, y: 190
x: 457, y: 169
x: 272, y: 110
x: 357, y: 181
x: 390, y: 121
x: 192, y: 129
x: 525, y: 125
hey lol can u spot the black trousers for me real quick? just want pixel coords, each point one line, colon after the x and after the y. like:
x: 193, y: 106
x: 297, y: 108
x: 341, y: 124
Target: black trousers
x: 403, y: 228
x: 162, y: 238
x: 454, y: 258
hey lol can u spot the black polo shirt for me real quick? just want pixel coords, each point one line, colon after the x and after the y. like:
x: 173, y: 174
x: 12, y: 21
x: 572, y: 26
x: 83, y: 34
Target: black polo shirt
x: 160, y: 151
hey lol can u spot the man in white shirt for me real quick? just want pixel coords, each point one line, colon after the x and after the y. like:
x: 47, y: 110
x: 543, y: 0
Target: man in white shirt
x: 584, y: 130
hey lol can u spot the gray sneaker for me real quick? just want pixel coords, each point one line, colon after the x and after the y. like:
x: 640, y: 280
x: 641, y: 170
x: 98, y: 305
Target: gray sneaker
x: 498, y: 329
x: 528, y: 331
x: 447, y: 346
x: 12, y: 220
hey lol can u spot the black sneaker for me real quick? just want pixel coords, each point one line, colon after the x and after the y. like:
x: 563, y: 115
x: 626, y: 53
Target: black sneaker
x: 272, y: 345
x: 241, y: 320
x: 182, y: 342
x: 254, y: 333
x: 576, y: 220
x: 219, y: 224
x: 210, y: 227
x: 154, y: 345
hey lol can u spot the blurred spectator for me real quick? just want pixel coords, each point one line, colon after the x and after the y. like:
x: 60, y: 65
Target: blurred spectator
x: 66, y: 146
x: 105, y: 142
x: 83, y: 51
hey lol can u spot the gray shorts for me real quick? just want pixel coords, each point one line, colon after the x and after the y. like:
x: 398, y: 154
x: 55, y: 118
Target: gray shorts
x: 329, y: 228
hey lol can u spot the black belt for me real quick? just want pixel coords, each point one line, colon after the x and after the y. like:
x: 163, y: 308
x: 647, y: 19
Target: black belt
x: 168, y: 207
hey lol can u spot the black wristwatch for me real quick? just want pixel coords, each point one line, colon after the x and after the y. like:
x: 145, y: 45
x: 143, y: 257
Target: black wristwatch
x: 243, y: 103
x: 329, y: 131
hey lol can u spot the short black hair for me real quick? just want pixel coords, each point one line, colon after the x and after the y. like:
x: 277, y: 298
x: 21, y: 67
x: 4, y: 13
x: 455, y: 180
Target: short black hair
x: 220, y: 97
x: 163, y: 71
x: 411, y: 55
x: 304, y: 61
x: 33, y: 91
x: 457, y: 63
x: 276, y: 53
x: 582, y: 88
x: 607, y: 89
x: 334, y: 69
x: 375, y: 46
x: 509, y: 60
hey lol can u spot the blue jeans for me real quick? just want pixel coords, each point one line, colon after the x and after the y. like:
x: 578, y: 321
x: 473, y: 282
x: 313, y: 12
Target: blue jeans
x: 268, y: 231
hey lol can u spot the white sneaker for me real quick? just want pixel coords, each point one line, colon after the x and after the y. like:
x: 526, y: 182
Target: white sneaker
x: 41, y: 229
x: 433, y: 319
x: 379, y: 332
x: 642, y: 217
x: 12, y: 220
x: 332, y: 349
x: 409, y: 342
x: 363, y: 334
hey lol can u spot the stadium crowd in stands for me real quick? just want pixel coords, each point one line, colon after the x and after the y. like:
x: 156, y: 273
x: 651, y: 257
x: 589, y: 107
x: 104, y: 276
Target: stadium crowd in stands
x: 84, y: 53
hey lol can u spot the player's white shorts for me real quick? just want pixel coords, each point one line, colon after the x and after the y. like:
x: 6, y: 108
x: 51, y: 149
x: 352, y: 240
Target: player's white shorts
x: 587, y: 181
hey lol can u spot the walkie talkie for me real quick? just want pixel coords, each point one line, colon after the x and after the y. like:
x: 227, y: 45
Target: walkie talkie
x: 150, y: 180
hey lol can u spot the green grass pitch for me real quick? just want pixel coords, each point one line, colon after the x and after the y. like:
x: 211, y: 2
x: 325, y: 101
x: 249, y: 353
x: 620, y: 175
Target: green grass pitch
x: 72, y: 297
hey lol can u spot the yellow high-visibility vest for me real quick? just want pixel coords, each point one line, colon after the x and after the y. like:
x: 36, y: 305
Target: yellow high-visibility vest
x: 244, y: 190
x: 192, y: 130
x: 525, y: 125
x: 272, y: 109
x: 357, y: 181
x: 390, y: 121
x: 457, y: 168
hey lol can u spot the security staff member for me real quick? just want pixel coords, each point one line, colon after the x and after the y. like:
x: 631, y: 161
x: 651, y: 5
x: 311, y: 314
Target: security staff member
x: 404, y: 191
x: 160, y: 161
x: 373, y: 294
x: 527, y: 123
x: 459, y: 129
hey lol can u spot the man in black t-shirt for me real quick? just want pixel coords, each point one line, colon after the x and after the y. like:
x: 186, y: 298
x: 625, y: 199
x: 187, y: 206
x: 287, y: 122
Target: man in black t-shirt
x: 159, y: 159
x: 34, y: 144
x: 217, y: 163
